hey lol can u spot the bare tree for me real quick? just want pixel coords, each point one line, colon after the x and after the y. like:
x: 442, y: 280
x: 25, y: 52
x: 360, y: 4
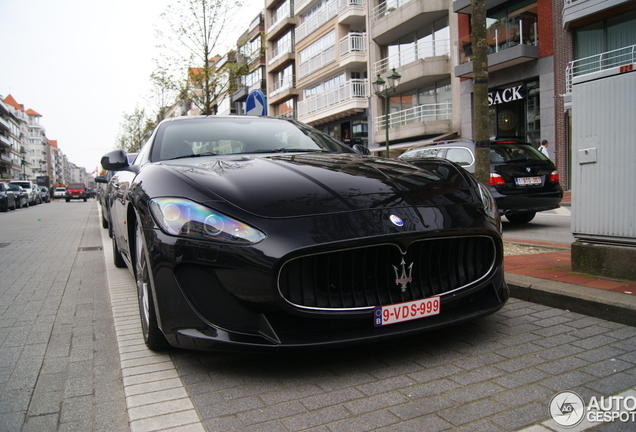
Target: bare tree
x: 195, y: 29
x: 481, y: 121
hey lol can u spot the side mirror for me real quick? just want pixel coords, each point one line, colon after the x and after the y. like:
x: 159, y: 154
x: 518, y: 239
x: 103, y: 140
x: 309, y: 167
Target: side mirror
x: 116, y: 160
x: 361, y: 150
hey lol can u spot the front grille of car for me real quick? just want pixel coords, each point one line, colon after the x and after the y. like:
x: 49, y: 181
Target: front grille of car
x: 361, y: 278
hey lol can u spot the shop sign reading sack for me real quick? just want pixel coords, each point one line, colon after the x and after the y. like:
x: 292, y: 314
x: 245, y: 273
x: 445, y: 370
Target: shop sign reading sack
x: 506, y: 95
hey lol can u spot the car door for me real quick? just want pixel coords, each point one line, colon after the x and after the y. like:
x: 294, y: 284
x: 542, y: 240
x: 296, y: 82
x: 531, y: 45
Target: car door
x: 119, y: 185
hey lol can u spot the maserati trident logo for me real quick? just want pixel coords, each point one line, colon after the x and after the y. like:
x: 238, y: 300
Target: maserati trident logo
x: 403, y: 279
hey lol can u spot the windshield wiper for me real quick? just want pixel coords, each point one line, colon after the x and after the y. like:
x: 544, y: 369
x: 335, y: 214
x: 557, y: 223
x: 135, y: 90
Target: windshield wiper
x: 286, y: 150
x: 193, y: 155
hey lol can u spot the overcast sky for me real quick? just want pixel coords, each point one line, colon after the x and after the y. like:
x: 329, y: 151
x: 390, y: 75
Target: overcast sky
x: 82, y: 65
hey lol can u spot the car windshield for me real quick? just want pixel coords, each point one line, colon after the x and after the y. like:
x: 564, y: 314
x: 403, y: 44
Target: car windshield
x: 239, y: 135
x: 25, y: 185
x: 510, y: 152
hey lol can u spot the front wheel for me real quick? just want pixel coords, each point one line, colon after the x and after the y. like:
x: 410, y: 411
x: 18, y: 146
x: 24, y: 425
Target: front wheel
x: 153, y: 336
x: 519, y: 218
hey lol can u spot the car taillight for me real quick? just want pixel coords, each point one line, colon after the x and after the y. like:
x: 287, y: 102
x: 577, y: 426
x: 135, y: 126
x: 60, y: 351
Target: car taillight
x: 554, y: 177
x: 496, y: 180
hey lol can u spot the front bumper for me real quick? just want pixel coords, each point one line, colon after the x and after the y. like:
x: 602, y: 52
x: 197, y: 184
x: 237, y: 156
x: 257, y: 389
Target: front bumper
x: 212, y: 297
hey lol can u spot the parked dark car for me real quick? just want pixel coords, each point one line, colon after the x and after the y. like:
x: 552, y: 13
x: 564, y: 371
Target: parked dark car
x: 522, y: 179
x: 21, y: 196
x: 105, y: 193
x: 7, y: 198
x: 45, y: 194
x: 263, y: 233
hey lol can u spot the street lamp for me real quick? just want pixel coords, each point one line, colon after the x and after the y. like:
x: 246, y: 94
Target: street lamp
x: 383, y: 90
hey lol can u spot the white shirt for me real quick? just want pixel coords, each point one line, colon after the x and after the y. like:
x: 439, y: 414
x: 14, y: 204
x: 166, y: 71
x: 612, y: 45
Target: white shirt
x: 544, y: 150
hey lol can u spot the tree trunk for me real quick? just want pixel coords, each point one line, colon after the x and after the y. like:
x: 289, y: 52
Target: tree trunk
x: 481, y: 121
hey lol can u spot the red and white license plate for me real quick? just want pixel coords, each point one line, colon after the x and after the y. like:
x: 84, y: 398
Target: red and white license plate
x: 400, y: 312
x: 528, y: 181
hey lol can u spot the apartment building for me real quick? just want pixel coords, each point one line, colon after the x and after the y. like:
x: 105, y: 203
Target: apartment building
x: 251, y: 63
x: 414, y: 38
x: 10, y: 143
x: 317, y: 65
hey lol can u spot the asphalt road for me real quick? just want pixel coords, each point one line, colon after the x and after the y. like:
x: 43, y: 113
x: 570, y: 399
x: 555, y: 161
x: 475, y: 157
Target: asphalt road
x: 71, y: 357
x: 552, y: 226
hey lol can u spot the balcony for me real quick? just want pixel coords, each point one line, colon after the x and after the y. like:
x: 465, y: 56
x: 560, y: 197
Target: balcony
x: 575, y: 10
x: 279, y: 22
x: 4, y: 140
x: 352, y: 12
x: 282, y: 89
x: 345, y: 100
x: 419, y: 50
x: 317, y: 62
x: 316, y: 21
x: 4, y: 125
x: 599, y: 66
x: 397, y: 18
x: 511, y: 41
x: 353, y: 49
x: 386, y: 8
x: 419, y: 113
x: 420, y: 120
x: 280, y: 55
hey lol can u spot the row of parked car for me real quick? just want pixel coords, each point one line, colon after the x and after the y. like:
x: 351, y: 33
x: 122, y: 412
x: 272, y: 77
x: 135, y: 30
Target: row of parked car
x: 22, y: 193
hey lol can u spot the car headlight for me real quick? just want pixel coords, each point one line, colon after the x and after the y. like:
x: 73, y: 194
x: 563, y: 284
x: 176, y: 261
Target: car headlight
x: 490, y: 206
x: 184, y: 218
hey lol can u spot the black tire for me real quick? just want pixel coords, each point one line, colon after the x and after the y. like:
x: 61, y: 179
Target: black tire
x: 84, y: 199
x: 15, y: 206
x: 67, y: 199
x: 521, y: 218
x: 153, y: 336
x: 104, y: 221
x: 118, y: 260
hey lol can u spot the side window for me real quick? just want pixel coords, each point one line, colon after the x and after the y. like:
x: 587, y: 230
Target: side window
x: 460, y: 156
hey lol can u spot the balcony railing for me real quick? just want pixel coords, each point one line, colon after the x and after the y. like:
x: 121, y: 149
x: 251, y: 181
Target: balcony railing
x: 352, y: 89
x: 313, y: 64
x: 353, y: 42
x: 599, y: 62
x: 419, y: 113
x: 329, y: 11
x: 280, y: 51
x: 419, y: 50
x: 504, y: 34
x: 282, y: 85
x: 279, y: 16
x: 386, y: 8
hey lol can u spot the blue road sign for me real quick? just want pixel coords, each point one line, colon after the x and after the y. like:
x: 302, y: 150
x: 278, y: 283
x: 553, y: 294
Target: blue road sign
x: 256, y: 103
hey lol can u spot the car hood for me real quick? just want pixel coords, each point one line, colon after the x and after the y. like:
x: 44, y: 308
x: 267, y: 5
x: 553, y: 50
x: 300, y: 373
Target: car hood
x: 309, y: 184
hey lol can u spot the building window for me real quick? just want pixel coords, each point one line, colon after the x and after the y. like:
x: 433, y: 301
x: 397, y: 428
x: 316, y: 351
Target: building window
x: 607, y: 35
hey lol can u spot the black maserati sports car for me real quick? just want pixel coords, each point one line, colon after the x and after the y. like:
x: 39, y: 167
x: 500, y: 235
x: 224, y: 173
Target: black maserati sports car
x: 264, y: 233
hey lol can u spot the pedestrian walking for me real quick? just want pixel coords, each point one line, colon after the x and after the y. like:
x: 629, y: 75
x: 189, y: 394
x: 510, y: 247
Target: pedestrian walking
x: 543, y: 148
